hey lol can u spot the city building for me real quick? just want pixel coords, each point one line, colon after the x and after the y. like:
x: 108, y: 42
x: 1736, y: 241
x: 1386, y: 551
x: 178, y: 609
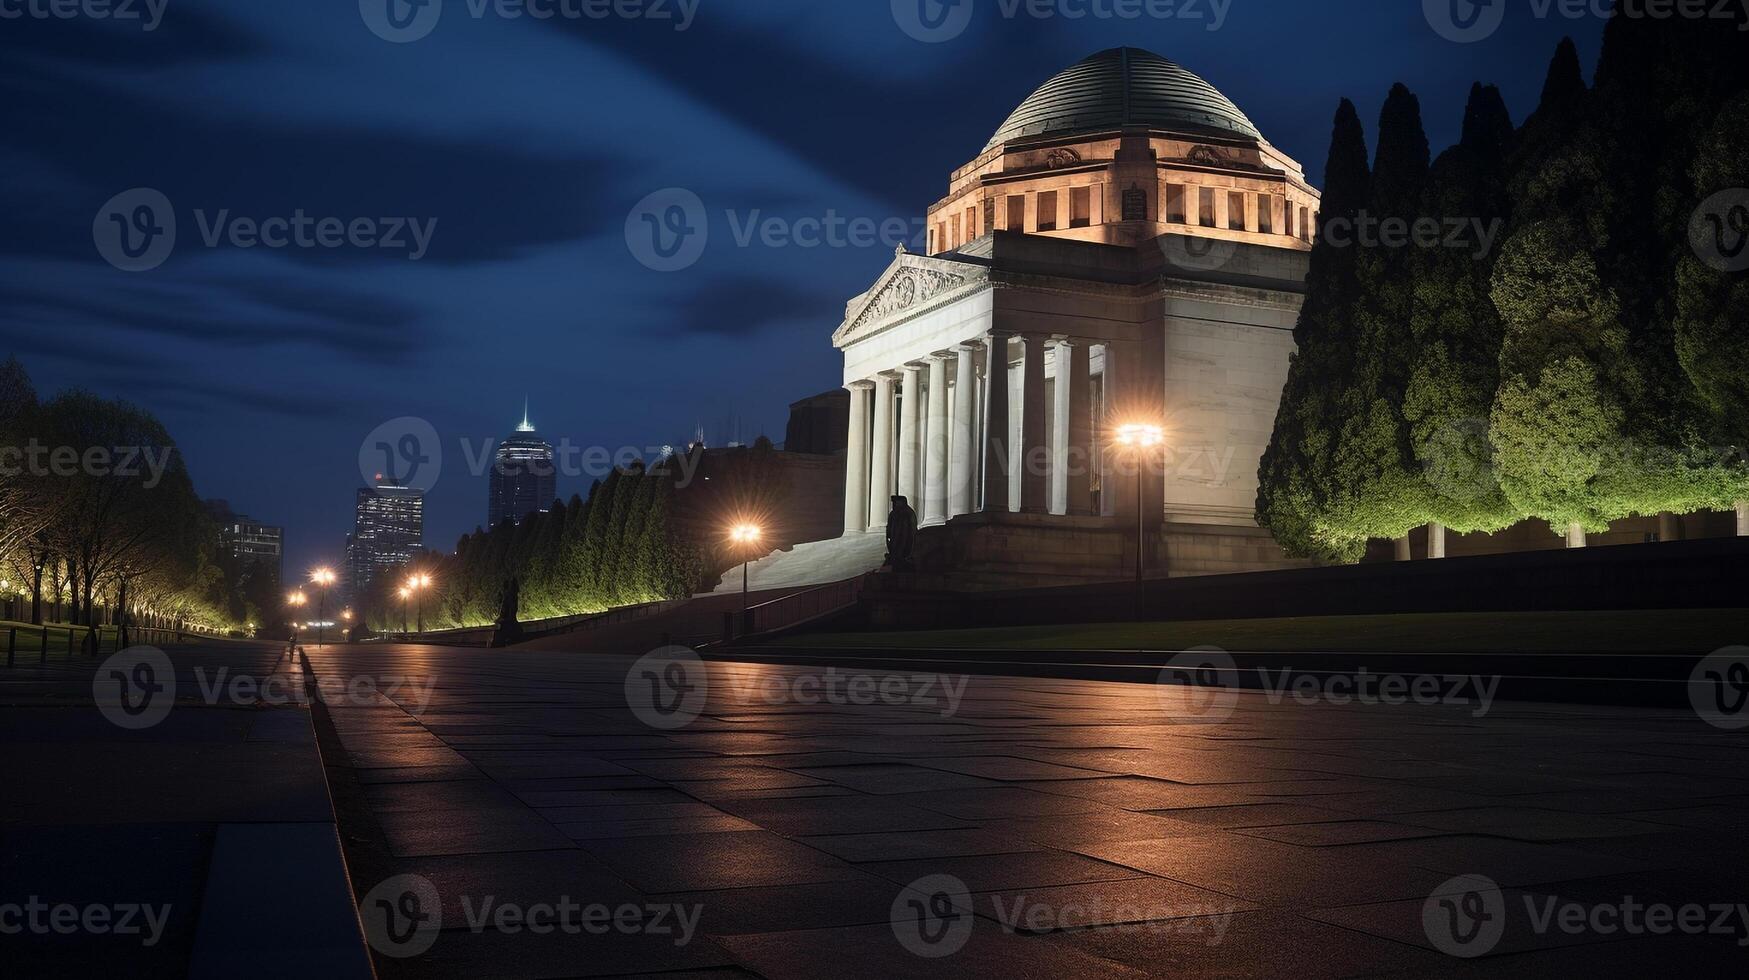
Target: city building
x: 248, y: 541
x: 524, y: 479
x: 388, y: 532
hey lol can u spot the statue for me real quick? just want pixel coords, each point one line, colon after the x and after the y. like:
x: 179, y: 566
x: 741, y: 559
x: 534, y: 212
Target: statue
x: 509, y: 630
x: 901, y: 535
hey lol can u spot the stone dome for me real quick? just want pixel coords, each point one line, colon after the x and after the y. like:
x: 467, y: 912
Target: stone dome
x: 1124, y: 87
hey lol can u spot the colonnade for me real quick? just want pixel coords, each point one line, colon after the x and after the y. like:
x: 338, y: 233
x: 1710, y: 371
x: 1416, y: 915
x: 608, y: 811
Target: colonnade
x: 972, y: 429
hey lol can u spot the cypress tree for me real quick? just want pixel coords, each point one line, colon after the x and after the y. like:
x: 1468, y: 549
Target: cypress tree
x: 1457, y: 332
x: 1376, y: 488
x: 1295, y: 465
x: 1712, y: 307
x: 615, y: 590
x: 597, y: 539
x: 1559, y: 417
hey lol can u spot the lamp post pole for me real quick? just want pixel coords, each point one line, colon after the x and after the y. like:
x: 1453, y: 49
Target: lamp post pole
x: 1139, y: 438
x: 747, y: 536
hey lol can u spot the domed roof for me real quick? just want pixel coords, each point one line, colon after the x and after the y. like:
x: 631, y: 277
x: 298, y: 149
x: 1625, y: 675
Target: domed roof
x: 1124, y: 87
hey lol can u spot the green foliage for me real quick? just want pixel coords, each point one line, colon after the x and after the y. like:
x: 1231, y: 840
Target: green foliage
x: 1590, y: 367
x: 1375, y: 489
x: 621, y: 547
x: 1294, y: 476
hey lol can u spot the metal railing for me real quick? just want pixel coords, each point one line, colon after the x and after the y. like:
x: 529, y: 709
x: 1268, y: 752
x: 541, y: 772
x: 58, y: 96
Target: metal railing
x: 74, y: 641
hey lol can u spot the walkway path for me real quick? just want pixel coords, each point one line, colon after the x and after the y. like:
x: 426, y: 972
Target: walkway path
x: 907, y: 825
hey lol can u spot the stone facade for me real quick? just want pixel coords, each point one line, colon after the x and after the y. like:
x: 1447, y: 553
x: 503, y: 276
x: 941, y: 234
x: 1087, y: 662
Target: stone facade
x: 1147, y: 268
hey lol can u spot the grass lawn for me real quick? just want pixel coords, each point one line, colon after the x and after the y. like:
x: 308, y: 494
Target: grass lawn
x: 1613, y: 631
x: 30, y: 639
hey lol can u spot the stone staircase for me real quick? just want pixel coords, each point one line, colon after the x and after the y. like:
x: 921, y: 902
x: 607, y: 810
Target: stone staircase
x: 811, y: 563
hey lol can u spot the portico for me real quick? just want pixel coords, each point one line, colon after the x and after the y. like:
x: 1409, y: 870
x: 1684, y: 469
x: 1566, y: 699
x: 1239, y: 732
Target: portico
x: 971, y: 418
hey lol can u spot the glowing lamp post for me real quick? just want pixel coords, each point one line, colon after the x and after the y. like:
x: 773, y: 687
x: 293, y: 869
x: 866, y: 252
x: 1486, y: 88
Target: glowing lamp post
x: 416, y: 583
x: 322, y: 578
x: 746, y: 536
x: 1139, y: 439
x: 406, y: 595
x: 296, y: 600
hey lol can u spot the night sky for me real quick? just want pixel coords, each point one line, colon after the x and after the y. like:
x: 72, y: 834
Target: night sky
x: 529, y: 141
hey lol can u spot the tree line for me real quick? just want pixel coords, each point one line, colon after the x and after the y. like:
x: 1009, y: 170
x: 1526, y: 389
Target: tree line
x: 1592, y: 364
x: 97, y: 510
x: 625, y: 544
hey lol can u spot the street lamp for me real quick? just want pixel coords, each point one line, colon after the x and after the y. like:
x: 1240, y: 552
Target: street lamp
x: 406, y: 594
x: 322, y: 578
x: 295, y: 600
x: 1139, y: 438
x: 418, y: 583
x: 747, y: 536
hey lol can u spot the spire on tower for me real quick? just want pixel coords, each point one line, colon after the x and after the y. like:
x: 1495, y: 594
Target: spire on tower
x: 526, y: 426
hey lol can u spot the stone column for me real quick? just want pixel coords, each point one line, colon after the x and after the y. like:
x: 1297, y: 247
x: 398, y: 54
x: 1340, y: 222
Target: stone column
x: 959, y: 466
x: 1119, y: 495
x: 1436, y: 540
x: 1743, y: 518
x: 910, y: 439
x: 881, y: 469
x: 1669, y: 527
x: 997, y: 458
x: 1081, y: 430
x: 1575, y: 535
x: 1034, y: 454
x: 856, y: 461
x: 1404, y: 551
x: 1061, y: 401
x: 936, y: 442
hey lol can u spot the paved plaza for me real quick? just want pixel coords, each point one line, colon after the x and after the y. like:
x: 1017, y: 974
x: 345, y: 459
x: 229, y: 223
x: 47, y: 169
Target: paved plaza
x: 516, y: 814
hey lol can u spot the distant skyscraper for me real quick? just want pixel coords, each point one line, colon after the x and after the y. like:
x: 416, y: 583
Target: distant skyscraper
x: 388, y: 531
x: 523, y: 479
x: 249, y: 541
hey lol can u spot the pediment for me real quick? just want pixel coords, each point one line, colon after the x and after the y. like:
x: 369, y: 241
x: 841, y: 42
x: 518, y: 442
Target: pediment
x: 911, y: 285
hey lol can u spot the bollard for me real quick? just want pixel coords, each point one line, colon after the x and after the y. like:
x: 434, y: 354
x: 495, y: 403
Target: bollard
x: 11, y: 644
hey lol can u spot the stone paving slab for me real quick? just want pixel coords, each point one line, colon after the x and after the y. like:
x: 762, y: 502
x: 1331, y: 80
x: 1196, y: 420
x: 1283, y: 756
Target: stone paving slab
x: 888, y: 839
x: 208, y: 808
